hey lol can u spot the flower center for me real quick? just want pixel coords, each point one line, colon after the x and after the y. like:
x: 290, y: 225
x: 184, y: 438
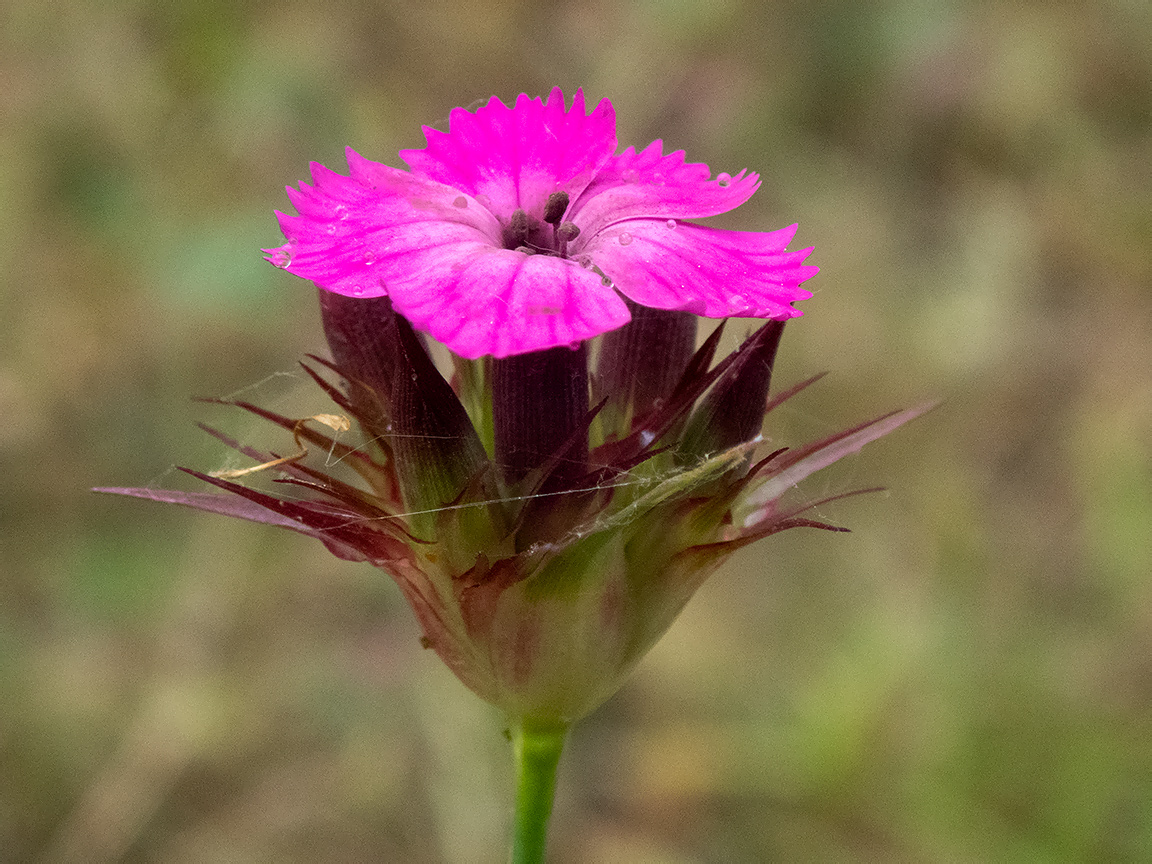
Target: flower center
x: 529, y: 235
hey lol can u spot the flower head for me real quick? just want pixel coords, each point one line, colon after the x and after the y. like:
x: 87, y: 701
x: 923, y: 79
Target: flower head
x: 549, y: 510
x: 522, y: 229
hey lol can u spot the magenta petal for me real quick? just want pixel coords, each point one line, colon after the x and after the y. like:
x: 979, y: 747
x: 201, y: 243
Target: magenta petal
x: 441, y: 240
x: 356, y: 234
x: 436, y: 253
x: 667, y: 264
x: 501, y: 302
x: 517, y: 157
x: 650, y: 184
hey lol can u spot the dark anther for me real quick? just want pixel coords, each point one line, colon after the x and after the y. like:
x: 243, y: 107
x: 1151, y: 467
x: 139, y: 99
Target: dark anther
x: 554, y: 209
x: 568, y: 232
x: 564, y: 234
x: 516, y: 232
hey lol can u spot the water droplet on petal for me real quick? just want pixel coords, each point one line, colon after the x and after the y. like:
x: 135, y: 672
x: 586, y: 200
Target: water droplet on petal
x: 369, y: 259
x: 356, y: 291
x: 574, y: 346
x: 341, y: 211
x: 331, y: 229
x: 724, y: 178
x: 460, y: 202
x: 625, y: 238
x: 483, y: 200
x: 584, y: 261
x: 630, y: 176
x: 281, y: 258
x: 671, y: 223
x: 605, y: 281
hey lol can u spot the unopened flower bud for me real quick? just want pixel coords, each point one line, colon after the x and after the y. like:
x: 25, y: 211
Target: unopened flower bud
x: 437, y: 450
x: 733, y: 410
x: 357, y: 330
x: 641, y: 363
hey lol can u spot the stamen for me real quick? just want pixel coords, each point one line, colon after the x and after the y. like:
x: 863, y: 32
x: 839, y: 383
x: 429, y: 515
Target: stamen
x: 554, y: 209
x: 519, y: 224
x: 516, y: 232
x: 564, y: 234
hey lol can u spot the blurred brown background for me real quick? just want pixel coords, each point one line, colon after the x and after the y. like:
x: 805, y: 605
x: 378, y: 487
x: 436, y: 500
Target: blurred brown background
x: 966, y: 677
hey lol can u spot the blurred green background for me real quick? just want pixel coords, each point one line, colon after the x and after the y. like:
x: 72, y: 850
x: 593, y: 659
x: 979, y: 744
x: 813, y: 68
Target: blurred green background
x: 966, y: 677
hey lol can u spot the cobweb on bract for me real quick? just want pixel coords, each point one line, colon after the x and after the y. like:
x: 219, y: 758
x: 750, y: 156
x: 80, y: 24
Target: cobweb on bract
x: 295, y: 395
x: 810, y: 415
x: 284, y: 390
x: 797, y: 421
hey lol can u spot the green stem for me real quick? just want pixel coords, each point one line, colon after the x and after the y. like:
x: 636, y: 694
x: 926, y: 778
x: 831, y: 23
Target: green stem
x: 536, y: 747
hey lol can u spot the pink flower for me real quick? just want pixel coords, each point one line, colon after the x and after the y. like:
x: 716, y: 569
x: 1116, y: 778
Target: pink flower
x: 519, y: 230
